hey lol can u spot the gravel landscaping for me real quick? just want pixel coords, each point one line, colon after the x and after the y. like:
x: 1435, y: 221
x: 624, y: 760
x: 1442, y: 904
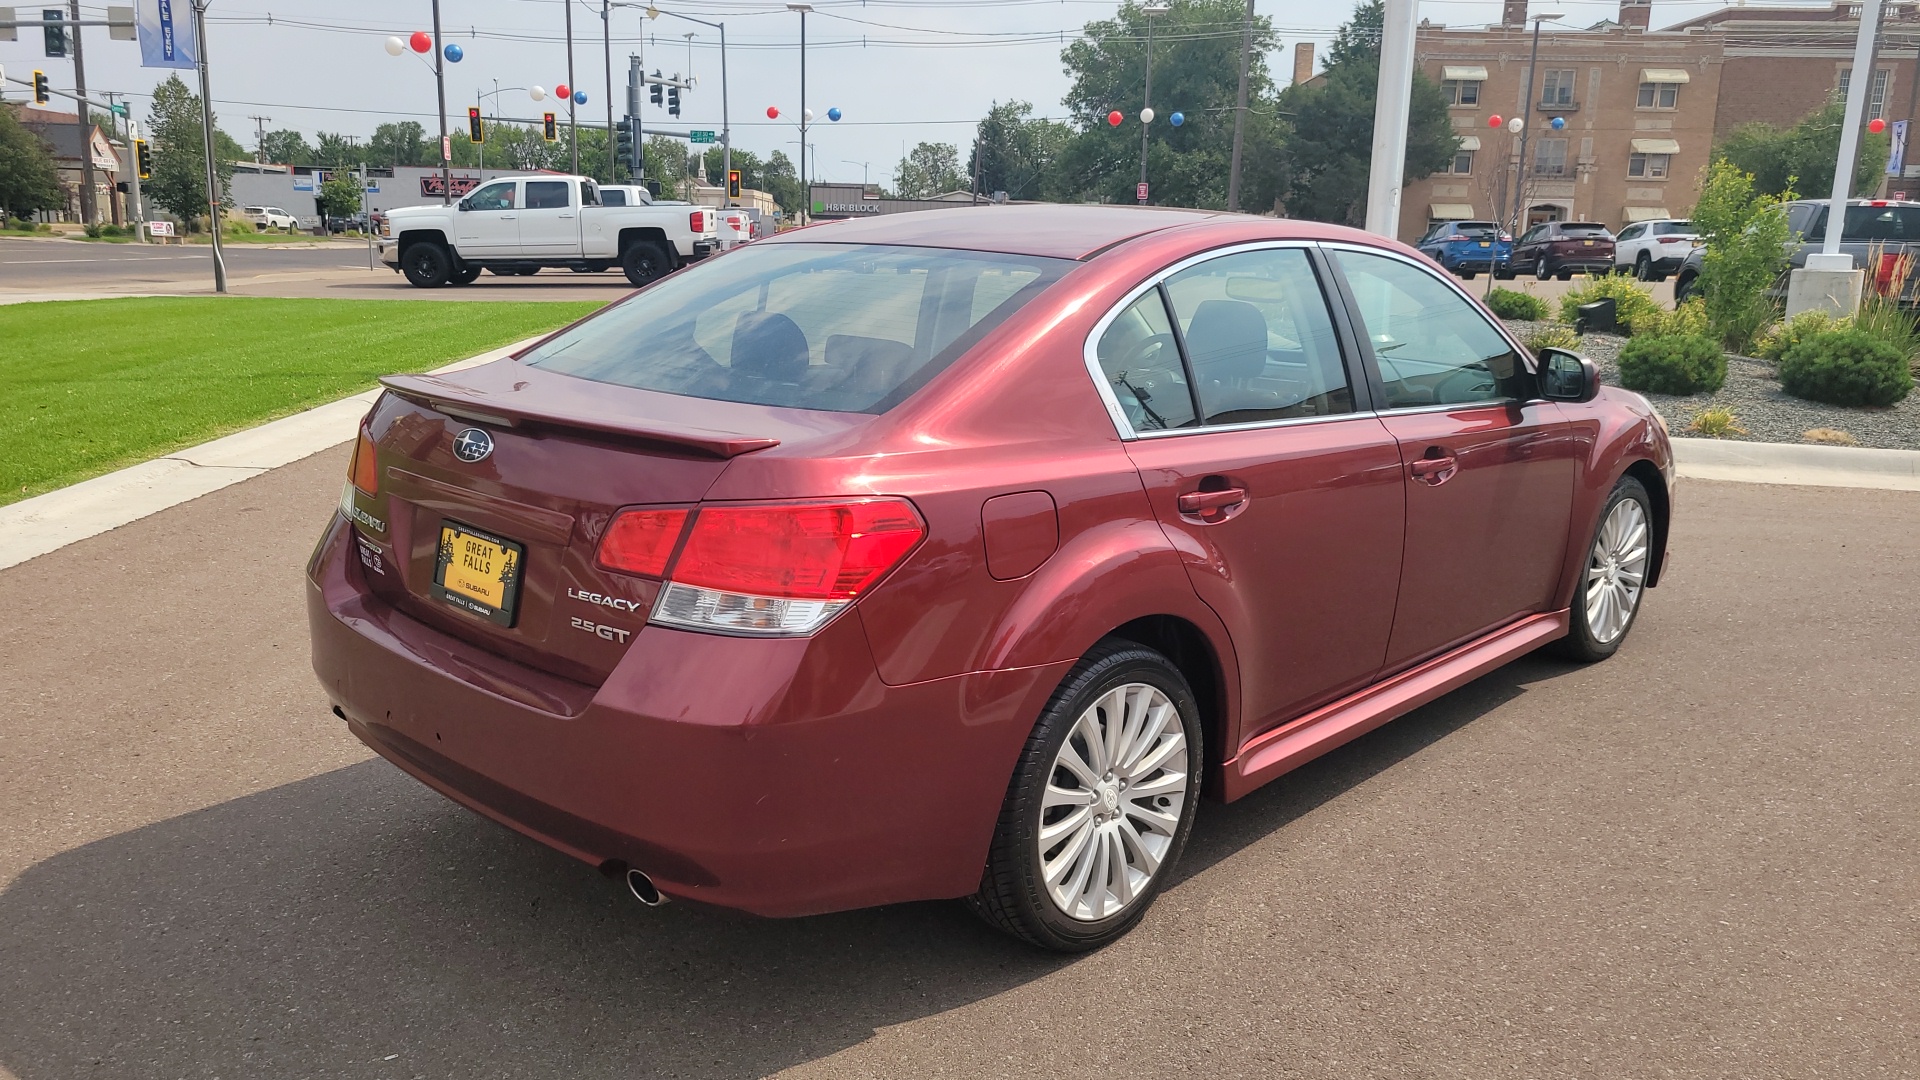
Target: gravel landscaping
x: 1767, y: 413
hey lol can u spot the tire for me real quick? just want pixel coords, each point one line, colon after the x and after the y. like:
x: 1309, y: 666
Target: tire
x: 1503, y: 275
x: 1467, y: 275
x: 426, y: 266
x: 1015, y: 893
x: 644, y: 262
x: 1564, y: 275
x: 1540, y: 271
x: 466, y: 275
x: 1643, y: 268
x: 590, y: 268
x: 1683, y: 289
x: 1612, y: 576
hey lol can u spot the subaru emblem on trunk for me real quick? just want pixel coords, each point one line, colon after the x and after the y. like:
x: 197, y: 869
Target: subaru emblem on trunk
x: 472, y: 445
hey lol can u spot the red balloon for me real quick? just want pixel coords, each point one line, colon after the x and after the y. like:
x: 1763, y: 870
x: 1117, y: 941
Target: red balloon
x: 773, y: 112
x: 1114, y: 118
x: 1494, y: 120
x: 421, y: 41
x: 1876, y: 125
x: 563, y: 91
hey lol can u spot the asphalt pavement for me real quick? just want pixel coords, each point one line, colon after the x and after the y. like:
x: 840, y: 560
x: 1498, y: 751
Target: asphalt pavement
x: 1695, y: 860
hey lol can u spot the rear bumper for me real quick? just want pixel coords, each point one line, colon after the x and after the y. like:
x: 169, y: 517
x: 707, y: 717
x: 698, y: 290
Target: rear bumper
x: 779, y: 777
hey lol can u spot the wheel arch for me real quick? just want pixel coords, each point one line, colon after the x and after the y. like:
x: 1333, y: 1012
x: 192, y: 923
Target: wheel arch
x: 647, y: 234
x: 412, y: 237
x: 1187, y: 647
x: 1651, y: 478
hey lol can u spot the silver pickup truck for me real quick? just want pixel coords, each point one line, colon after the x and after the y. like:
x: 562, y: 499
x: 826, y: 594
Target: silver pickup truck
x: 519, y: 224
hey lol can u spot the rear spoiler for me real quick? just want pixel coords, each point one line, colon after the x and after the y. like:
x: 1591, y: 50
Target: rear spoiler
x: 465, y: 402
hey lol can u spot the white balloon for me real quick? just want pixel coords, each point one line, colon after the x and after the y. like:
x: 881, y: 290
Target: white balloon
x: 537, y: 93
x: 395, y: 46
x: 1146, y: 116
x: 807, y: 114
x: 1515, y: 125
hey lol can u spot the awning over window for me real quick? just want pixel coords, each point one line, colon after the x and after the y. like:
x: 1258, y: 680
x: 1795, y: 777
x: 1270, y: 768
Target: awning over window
x: 1464, y: 74
x: 1663, y: 75
x: 1646, y: 213
x: 1655, y: 146
x: 1450, y: 211
x: 1469, y: 142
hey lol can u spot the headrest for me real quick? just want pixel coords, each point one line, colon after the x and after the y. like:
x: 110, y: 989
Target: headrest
x: 770, y: 346
x: 873, y: 366
x: 1227, y: 340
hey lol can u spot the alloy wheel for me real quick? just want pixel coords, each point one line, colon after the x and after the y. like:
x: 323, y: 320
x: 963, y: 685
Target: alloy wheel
x: 1113, y: 802
x: 1616, y: 571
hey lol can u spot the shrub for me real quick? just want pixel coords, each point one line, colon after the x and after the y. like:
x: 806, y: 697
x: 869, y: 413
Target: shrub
x: 1846, y: 367
x: 1554, y: 337
x: 112, y: 230
x: 1774, y: 342
x: 1688, y: 318
x: 92, y: 229
x: 1680, y: 365
x: 1746, y: 252
x: 1715, y: 423
x: 1516, y: 305
x: 1634, y: 307
x: 1883, y: 318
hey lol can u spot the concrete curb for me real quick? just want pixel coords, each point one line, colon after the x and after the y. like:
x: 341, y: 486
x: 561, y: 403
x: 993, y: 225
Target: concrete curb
x: 33, y: 527
x: 1800, y: 464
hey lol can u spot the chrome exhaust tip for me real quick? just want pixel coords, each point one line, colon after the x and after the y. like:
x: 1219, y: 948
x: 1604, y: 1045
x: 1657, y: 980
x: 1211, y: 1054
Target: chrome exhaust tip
x: 643, y: 890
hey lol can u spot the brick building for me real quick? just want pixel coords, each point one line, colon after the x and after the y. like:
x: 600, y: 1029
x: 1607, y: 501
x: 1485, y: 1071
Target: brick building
x: 61, y: 132
x: 1640, y: 109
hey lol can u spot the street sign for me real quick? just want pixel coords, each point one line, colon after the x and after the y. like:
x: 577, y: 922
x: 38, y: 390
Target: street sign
x: 373, y: 188
x: 1140, y: 191
x: 700, y: 136
x: 446, y: 148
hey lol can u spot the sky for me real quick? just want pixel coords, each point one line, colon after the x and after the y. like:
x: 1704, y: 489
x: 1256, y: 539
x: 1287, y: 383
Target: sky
x: 900, y: 71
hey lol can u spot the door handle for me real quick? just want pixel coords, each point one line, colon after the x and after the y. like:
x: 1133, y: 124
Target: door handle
x: 1211, y: 505
x: 1435, y: 470
x: 565, y: 217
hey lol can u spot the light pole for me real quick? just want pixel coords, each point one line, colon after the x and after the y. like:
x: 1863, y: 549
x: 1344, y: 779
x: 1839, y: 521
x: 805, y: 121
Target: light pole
x: 1526, y: 113
x: 726, y: 128
x: 806, y: 189
x: 573, y: 125
x: 1152, y: 8
x: 863, y: 170
x: 536, y: 93
x: 206, y: 133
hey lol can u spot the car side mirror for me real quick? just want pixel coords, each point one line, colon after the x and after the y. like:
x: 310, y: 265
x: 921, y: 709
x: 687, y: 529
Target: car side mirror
x: 1566, y: 376
x: 465, y: 204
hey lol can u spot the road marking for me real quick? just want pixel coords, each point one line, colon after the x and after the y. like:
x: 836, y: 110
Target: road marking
x: 46, y: 262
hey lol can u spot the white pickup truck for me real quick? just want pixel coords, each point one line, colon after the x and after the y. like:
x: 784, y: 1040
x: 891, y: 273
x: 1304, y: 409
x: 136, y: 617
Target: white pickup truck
x: 518, y: 224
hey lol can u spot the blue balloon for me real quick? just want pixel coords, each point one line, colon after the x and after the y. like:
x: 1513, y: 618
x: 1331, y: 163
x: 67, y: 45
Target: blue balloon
x: 579, y: 97
x: 834, y: 115
x: 1177, y: 119
x: 1558, y: 122
x: 454, y: 53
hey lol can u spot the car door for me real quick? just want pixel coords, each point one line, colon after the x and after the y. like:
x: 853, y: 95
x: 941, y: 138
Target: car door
x: 1490, y: 467
x: 1626, y: 245
x: 1524, y: 249
x: 549, y: 221
x: 488, y: 222
x: 1264, y: 467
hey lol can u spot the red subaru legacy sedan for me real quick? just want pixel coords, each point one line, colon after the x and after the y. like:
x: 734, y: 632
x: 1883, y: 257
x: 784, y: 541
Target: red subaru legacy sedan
x: 959, y: 553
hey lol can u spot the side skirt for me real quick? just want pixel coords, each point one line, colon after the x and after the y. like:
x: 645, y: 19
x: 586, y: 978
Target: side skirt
x: 1271, y: 753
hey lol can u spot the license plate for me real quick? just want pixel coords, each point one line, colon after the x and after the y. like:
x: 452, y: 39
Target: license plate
x: 478, y: 572
x: 1589, y: 243
x: 1486, y: 243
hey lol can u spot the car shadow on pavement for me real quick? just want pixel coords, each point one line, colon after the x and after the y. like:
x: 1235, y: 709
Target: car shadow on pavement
x: 357, y: 924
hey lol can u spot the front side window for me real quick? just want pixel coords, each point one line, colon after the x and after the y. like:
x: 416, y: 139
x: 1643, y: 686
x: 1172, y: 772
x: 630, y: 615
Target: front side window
x: 495, y: 196
x: 1556, y: 87
x: 1659, y: 95
x: 1550, y: 157
x: 1140, y: 358
x: 839, y: 327
x: 1461, y: 91
x: 1430, y: 346
x: 1649, y: 166
x: 1260, y: 342
x: 547, y: 195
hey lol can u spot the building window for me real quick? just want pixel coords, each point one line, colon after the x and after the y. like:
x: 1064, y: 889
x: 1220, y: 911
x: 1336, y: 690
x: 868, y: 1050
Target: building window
x: 1556, y: 87
x: 1550, y: 157
x: 1649, y: 166
x: 1461, y: 91
x: 1659, y: 95
x: 1876, y: 95
x: 1462, y: 163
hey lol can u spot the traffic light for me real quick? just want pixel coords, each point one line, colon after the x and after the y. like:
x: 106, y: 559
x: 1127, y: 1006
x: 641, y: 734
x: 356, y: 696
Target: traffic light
x: 623, y: 133
x: 474, y: 132
x: 653, y: 90
x: 673, y: 100
x: 548, y: 129
x: 56, y: 35
x: 41, y: 95
x: 733, y: 183
x: 142, y: 159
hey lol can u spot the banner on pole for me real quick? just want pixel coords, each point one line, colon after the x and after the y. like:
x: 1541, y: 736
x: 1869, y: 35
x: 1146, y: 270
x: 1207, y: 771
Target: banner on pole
x: 165, y: 28
x: 1897, y: 160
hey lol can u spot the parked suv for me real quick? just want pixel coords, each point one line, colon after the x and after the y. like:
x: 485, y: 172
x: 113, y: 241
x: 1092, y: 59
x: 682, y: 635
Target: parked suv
x: 1563, y: 248
x: 1468, y: 247
x: 270, y: 217
x: 1653, y: 249
x: 1882, y: 235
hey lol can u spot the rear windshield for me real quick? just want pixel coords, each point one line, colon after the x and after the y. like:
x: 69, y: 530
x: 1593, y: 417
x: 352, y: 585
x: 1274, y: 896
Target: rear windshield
x: 1476, y: 229
x: 840, y: 327
x: 1582, y: 227
x: 1668, y: 228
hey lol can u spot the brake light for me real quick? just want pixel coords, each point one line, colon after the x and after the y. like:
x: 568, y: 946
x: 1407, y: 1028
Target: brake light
x: 783, y: 568
x: 641, y: 541
x: 364, y: 470
x: 1674, y: 239
x: 697, y: 221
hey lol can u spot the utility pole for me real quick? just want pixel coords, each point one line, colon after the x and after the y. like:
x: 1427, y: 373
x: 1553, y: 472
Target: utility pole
x: 1390, y: 118
x: 806, y: 189
x: 636, y: 79
x: 1526, y: 122
x: 260, y: 138
x: 440, y: 87
x: 113, y: 124
x: 89, y: 208
x: 206, y: 140
x: 1240, y: 112
x: 138, y: 212
x: 573, y: 122
x: 606, y: 45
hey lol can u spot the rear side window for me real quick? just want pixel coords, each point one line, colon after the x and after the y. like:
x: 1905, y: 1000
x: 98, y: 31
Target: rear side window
x: 547, y: 195
x: 613, y: 197
x: 838, y: 327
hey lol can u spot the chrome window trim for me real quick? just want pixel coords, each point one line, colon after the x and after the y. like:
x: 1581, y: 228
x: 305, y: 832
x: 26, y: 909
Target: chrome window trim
x: 1090, y: 356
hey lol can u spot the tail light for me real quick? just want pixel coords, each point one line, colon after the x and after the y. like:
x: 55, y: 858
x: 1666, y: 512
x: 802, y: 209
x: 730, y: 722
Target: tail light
x: 1674, y: 239
x: 364, y: 471
x: 697, y: 221
x: 763, y: 569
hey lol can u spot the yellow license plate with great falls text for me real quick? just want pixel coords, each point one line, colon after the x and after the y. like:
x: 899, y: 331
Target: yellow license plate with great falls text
x: 478, y: 572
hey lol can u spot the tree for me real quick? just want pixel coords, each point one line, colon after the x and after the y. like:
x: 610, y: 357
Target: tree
x: 1015, y: 154
x: 1803, y: 155
x: 29, y: 181
x: 929, y: 169
x: 286, y: 147
x: 1746, y: 234
x: 1196, y: 62
x: 1333, y: 126
x: 780, y: 180
x: 179, y: 183
x: 403, y: 143
x: 336, y: 151
x: 340, y: 195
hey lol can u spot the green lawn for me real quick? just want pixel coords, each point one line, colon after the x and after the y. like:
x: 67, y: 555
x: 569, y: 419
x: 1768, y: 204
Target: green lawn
x: 90, y: 386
